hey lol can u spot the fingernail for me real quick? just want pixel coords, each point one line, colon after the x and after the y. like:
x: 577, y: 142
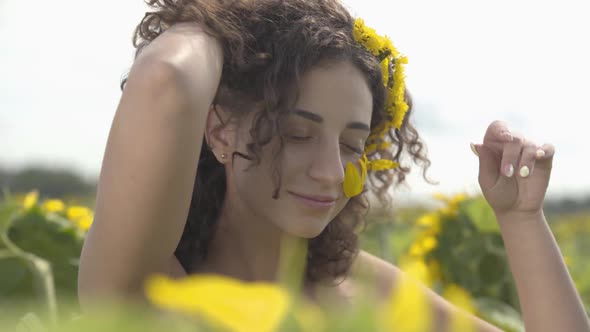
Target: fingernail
x: 473, y: 149
x: 509, y: 170
x: 507, y: 135
x: 524, y: 171
x: 540, y: 153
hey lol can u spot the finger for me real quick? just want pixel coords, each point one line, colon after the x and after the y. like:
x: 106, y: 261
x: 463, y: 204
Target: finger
x: 488, y: 166
x: 511, y: 156
x: 545, y: 160
x: 527, y: 159
x: 497, y: 131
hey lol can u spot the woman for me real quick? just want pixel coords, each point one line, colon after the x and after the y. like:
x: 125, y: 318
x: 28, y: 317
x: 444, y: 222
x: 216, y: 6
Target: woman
x: 244, y: 125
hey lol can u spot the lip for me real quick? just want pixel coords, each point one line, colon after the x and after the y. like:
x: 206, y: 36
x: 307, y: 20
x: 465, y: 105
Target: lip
x: 315, y: 201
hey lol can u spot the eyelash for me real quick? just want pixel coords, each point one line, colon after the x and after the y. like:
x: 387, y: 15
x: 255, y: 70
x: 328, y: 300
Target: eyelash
x: 299, y: 138
x: 306, y: 138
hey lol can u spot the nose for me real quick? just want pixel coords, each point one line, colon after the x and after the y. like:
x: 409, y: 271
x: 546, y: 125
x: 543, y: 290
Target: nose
x: 326, y: 166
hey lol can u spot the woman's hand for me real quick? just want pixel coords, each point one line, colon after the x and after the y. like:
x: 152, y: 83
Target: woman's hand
x: 519, y: 190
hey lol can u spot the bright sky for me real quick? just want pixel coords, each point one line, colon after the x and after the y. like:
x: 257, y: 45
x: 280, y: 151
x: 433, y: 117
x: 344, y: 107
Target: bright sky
x: 524, y: 62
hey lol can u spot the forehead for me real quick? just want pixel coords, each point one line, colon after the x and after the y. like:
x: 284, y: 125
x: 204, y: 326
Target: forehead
x: 337, y: 91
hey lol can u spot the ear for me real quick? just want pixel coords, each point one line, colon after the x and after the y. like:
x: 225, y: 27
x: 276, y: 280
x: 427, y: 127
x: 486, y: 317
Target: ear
x: 219, y: 133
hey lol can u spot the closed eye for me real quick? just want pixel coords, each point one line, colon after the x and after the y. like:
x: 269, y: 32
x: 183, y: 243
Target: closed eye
x: 307, y: 138
x: 355, y: 150
x: 300, y: 138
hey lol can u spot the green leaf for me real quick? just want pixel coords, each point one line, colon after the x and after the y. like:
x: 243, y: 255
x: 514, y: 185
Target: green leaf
x: 15, y: 279
x: 500, y: 314
x: 51, y: 246
x: 52, y: 239
x: 481, y: 215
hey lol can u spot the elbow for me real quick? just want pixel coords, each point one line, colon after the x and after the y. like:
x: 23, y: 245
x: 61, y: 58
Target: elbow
x: 94, y: 296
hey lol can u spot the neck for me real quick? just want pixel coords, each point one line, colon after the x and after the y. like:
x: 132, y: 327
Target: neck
x: 248, y: 248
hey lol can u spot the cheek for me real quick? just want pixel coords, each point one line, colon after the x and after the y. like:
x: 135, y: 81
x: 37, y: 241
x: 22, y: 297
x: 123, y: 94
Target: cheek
x: 341, y: 204
x: 294, y: 161
x: 249, y: 177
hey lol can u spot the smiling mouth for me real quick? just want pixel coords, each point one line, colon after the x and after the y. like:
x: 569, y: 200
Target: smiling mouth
x: 312, y: 202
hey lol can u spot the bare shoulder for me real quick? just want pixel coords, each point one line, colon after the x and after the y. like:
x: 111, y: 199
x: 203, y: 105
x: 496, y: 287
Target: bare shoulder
x: 368, y: 269
x: 384, y: 277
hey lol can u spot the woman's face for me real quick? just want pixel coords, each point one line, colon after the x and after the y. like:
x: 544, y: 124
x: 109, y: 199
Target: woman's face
x: 328, y: 129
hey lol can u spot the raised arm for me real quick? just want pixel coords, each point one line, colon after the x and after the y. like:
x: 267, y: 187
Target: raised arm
x: 150, y: 164
x: 514, y: 174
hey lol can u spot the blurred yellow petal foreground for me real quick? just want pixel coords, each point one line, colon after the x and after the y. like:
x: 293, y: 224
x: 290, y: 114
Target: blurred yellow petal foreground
x: 458, y: 296
x: 408, y: 309
x: 239, y: 306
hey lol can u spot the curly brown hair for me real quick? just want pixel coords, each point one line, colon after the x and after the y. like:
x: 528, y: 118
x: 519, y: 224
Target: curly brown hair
x: 267, y: 46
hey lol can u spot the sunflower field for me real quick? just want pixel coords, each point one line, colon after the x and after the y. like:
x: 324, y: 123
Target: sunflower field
x: 455, y: 249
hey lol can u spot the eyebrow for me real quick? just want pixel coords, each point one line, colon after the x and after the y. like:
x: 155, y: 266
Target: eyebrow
x: 317, y: 118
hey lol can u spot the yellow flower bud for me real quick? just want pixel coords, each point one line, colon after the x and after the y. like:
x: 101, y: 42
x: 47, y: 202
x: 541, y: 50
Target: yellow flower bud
x: 53, y: 205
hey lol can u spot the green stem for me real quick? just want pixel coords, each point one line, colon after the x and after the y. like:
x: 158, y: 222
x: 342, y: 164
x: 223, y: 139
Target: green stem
x: 6, y: 254
x: 44, y: 275
x: 16, y: 251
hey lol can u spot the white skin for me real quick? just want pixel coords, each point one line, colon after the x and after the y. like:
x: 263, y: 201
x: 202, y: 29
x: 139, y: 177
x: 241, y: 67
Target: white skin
x: 252, y: 224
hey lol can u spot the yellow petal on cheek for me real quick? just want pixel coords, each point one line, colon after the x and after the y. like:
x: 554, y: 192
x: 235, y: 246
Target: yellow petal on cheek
x: 352, y: 181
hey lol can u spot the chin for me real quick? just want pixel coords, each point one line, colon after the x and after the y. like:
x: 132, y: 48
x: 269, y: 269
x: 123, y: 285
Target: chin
x: 310, y: 235
x: 306, y: 230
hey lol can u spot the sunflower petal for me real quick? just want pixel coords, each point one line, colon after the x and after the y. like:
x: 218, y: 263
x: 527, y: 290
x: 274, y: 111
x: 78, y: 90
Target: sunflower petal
x: 382, y: 164
x: 352, y: 181
x: 363, y: 162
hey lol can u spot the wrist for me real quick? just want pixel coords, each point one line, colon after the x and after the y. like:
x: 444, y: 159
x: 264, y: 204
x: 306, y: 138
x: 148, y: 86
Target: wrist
x: 519, y: 218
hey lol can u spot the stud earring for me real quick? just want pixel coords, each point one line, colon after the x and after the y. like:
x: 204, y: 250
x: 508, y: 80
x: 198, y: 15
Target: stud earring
x: 223, y: 155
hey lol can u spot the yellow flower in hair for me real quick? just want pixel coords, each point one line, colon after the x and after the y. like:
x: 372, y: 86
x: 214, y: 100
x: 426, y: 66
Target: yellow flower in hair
x: 358, y: 31
x: 371, y: 148
x: 382, y: 165
x: 379, y: 46
x: 374, y: 43
x: 389, y: 45
x: 385, y: 70
x: 365, y: 164
x: 395, y: 106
